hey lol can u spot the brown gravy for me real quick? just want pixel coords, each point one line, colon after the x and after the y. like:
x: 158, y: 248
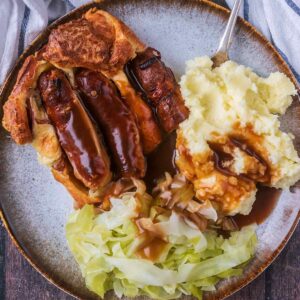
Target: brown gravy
x: 153, y: 243
x: 160, y: 161
x: 78, y: 136
x: 266, y: 200
x: 152, y: 248
x: 221, y: 157
x: 163, y: 160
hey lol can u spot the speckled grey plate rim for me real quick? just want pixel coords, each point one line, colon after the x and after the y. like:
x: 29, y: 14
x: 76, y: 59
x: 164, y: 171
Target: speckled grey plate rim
x: 42, y: 39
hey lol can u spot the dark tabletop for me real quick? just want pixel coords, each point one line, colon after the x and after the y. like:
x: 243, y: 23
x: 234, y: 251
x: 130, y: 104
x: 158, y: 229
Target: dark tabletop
x: 18, y: 280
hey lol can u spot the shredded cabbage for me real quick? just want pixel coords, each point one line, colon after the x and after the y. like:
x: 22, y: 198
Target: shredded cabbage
x: 104, y: 246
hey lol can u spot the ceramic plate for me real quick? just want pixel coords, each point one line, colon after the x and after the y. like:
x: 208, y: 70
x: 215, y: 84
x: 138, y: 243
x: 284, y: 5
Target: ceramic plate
x: 35, y: 207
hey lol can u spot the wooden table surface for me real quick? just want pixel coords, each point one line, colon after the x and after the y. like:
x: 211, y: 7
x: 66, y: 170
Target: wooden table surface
x: 18, y: 280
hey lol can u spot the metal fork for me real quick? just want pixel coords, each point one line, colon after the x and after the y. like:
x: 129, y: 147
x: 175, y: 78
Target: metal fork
x: 221, y: 54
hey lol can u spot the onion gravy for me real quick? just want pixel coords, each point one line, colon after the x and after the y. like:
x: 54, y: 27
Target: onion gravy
x: 163, y: 160
x: 266, y: 200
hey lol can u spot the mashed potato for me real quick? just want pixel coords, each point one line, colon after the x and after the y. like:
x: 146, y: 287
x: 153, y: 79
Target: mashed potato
x: 232, y: 140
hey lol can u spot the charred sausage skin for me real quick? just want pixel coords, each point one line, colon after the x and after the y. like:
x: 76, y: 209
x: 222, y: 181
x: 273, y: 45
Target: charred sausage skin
x: 76, y: 132
x: 149, y: 130
x: 116, y: 121
x: 157, y: 82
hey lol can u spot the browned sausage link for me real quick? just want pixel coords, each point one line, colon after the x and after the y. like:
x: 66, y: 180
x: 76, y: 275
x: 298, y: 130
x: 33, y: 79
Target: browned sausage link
x: 158, y: 84
x: 149, y: 131
x: 76, y: 132
x: 115, y: 119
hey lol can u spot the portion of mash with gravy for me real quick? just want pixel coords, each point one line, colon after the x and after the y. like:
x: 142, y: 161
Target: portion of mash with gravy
x: 232, y: 138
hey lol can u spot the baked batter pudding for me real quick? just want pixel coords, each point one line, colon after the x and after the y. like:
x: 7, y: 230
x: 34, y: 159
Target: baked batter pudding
x: 232, y: 138
x: 94, y: 102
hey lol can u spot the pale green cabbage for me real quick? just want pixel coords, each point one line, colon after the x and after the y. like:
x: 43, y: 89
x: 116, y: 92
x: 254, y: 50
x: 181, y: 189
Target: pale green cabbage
x: 104, y: 246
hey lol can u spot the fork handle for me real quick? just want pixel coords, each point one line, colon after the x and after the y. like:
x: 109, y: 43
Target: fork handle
x: 227, y: 35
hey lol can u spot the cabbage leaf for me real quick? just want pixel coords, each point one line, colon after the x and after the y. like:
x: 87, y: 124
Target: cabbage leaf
x: 104, y: 246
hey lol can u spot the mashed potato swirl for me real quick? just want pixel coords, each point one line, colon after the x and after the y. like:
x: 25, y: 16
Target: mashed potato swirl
x: 233, y: 101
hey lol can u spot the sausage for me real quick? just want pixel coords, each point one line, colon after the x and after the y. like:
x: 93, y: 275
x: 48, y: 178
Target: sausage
x: 115, y: 119
x: 76, y: 132
x: 149, y: 131
x: 158, y: 85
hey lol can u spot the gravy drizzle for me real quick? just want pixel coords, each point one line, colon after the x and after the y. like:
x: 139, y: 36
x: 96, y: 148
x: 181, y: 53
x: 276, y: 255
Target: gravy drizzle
x: 153, y: 243
x: 266, y: 200
x: 221, y: 157
x: 161, y: 160
x: 152, y: 247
